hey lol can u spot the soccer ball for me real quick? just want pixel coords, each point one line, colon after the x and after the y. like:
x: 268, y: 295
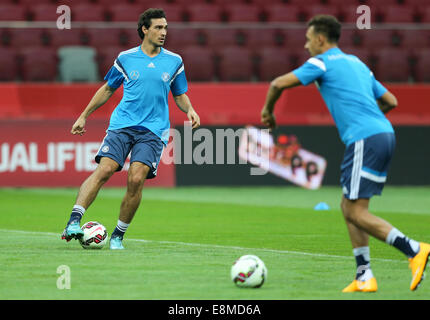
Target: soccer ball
x: 95, y: 235
x: 248, y: 272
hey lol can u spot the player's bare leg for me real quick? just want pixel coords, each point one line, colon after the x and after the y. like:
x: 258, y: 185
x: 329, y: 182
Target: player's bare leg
x: 364, y: 279
x: 86, y: 195
x: 92, y: 185
x: 136, y: 178
x: 357, y: 213
x: 137, y: 174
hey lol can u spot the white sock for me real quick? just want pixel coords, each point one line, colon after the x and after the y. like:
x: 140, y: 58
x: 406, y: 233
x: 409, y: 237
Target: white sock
x: 122, y: 226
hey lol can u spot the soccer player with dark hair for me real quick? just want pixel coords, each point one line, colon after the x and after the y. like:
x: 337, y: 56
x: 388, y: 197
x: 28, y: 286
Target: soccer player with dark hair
x: 357, y: 103
x: 139, y: 124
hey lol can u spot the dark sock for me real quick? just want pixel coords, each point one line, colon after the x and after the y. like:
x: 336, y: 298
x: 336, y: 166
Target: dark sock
x: 362, y: 258
x: 76, y: 214
x: 120, y: 229
x: 398, y: 240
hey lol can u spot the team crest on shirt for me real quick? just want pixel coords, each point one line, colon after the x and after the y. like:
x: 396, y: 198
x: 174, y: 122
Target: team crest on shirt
x: 134, y: 75
x: 105, y: 149
x: 165, y: 76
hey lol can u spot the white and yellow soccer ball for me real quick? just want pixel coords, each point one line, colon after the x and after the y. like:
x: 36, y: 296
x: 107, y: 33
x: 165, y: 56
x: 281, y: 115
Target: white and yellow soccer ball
x: 95, y: 235
x: 248, y: 271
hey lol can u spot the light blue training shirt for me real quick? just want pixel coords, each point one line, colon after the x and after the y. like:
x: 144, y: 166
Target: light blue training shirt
x: 147, y: 82
x: 349, y: 90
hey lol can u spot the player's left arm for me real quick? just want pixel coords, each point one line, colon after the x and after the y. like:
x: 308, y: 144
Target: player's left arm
x: 278, y: 85
x: 183, y: 102
x: 387, y: 102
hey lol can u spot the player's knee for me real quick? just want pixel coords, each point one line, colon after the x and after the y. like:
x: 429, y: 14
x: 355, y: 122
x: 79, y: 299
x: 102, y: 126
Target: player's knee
x: 105, y: 172
x: 136, y: 180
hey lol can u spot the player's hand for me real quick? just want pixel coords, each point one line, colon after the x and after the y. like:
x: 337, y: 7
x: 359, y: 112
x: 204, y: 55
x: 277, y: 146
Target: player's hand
x: 268, y: 119
x: 79, y: 127
x: 194, y: 118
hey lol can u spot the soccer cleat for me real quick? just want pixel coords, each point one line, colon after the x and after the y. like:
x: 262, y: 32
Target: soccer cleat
x: 418, y: 264
x: 362, y: 286
x: 72, y: 231
x: 116, y: 243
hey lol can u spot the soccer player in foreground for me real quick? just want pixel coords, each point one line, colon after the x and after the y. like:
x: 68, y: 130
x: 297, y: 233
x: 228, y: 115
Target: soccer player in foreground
x: 139, y: 124
x: 357, y: 103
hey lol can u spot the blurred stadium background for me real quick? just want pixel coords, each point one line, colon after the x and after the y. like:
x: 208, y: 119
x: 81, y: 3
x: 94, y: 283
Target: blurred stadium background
x: 231, y: 49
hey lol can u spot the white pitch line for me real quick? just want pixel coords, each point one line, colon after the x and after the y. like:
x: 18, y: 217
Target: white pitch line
x: 214, y: 246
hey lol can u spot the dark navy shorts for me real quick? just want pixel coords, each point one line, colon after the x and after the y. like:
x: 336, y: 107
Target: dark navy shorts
x: 365, y: 166
x: 145, y: 147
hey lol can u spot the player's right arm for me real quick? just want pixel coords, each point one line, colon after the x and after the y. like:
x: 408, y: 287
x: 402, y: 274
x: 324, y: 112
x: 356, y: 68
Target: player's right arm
x: 100, y: 97
x: 114, y: 79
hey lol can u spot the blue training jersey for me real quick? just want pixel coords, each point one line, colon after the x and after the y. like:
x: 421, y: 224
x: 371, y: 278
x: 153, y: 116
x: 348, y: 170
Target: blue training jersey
x: 349, y: 90
x: 147, y: 82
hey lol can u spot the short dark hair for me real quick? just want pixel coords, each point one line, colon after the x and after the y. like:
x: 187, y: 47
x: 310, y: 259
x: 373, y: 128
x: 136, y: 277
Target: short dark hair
x: 327, y: 25
x: 145, y: 19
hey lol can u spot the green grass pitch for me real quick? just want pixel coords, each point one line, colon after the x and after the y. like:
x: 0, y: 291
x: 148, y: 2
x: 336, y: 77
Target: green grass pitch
x: 183, y: 241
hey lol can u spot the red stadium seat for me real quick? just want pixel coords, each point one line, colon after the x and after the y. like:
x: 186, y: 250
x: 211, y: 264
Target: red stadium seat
x: 199, y: 63
x: 311, y: 11
x: 8, y: 64
x: 224, y: 2
x: 204, y: 12
x: 414, y: 2
x: 125, y: 12
x: 31, y: 2
x: 392, y: 65
x: 184, y: 3
x: 300, y: 57
x: 151, y: 3
x: 295, y: 38
x: 349, y: 38
x: 38, y: 64
x: 130, y: 38
x: 72, y: 3
x: 235, y: 64
x: 24, y: 37
x: 12, y: 12
x: 253, y: 39
x: 174, y: 13
x: 342, y: 2
x: 415, y: 39
x: 100, y: 38
x: 267, y: 2
x: 376, y: 38
x: 67, y: 37
x: 242, y: 12
x: 282, y: 13
x: 108, y: 2
x: 306, y: 3
x: 218, y: 37
x: 44, y: 12
x: 398, y: 14
x: 422, y: 65
x: 349, y: 14
x: 274, y: 61
x: 88, y: 12
x: 373, y: 3
x: 180, y: 38
x: 425, y: 14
